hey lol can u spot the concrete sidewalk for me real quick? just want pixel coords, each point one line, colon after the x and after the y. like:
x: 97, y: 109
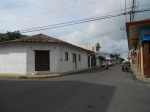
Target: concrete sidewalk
x: 140, y: 76
x: 43, y: 75
x: 29, y: 76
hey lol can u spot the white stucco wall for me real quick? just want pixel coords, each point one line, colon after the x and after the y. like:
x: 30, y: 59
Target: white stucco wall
x: 51, y: 47
x: 12, y: 59
x: 19, y: 58
x: 57, y: 57
x: 97, y: 62
x: 66, y: 66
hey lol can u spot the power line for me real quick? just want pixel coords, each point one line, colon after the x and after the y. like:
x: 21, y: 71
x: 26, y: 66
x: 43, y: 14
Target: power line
x: 98, y: 36
x: 74, y: 21
x: 121, y: 12
x: 144, y: 5
x: 125, y: 11
x: 71, y: 23
x: 54, y: 11
x: 137, y: 7
x: 82, y: 21
x: 132, y: 15
x: 117, y: 13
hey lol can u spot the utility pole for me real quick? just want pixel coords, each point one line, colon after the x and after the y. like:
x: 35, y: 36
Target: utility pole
x: 132, y: 15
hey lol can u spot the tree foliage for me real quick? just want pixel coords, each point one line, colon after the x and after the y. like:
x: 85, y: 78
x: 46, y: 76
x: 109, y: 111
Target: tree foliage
x: 121, y: 60
x: 13, y: 35
x: 118, y: 58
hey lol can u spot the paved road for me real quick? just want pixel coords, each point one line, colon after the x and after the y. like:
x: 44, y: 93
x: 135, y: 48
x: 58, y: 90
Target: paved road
x: 98, y: 90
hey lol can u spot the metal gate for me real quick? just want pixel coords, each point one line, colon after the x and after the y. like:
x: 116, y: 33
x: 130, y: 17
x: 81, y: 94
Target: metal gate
x: 42, y: 61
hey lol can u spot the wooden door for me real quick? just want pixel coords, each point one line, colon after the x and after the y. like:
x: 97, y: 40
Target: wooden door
x: 42, y: 61
x: 146, y: 59
x: 74, y: 56
x: 88, y: 61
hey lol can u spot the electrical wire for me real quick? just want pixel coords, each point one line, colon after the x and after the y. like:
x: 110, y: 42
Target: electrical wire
x: 121, y: 12
x: 74, y: 21
x: 97, y: 37
x: 82, y: 21
x: 125, y: 11
x: 137, y: 8
x: 53, y: 11
x: 117, y: 13
x: 71, y: 23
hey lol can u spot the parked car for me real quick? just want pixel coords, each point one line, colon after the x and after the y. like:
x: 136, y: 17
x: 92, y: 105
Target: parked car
x: 103, y: 64
x: 110, y: 63
x: 127, y: 63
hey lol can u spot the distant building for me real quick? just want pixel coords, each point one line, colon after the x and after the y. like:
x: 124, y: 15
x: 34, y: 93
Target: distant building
x: 95, y: 60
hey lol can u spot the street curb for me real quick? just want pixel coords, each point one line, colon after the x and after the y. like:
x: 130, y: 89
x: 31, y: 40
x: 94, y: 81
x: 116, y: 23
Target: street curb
x: 40, y: 76
x: 140, y: 77
x: 30, y: 76
x: 8, y: 76
x: 43, y: 76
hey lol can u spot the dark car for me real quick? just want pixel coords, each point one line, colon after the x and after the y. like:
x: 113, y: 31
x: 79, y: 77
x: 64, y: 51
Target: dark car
x: 126, y: 63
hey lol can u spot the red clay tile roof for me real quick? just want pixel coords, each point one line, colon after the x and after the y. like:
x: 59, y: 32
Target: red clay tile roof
x: 41, y: 38
x: 36, y: 38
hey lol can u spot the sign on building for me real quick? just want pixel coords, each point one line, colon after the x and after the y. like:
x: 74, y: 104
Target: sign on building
x: 145, y: 35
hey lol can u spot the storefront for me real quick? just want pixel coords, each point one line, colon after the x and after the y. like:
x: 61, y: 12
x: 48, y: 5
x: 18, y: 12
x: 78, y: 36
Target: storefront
x: 138, y: 34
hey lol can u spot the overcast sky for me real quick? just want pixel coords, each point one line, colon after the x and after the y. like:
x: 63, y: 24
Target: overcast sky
x: 26, y: 14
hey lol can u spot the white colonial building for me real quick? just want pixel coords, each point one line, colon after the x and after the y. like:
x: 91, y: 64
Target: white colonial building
x: 41, y: 53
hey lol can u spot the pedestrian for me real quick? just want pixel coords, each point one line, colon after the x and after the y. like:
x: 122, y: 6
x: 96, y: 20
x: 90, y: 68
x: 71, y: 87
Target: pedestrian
x: 106, y: 63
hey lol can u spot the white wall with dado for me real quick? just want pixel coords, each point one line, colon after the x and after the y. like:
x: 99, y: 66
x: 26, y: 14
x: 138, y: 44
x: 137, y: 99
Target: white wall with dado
x: 67, y: 65
x: 12, y: 58
x: 19, y: 58
x: 54, y: 55
x: 58, y: 64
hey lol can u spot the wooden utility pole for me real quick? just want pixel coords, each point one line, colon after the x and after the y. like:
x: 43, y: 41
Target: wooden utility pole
x: 132, y: 15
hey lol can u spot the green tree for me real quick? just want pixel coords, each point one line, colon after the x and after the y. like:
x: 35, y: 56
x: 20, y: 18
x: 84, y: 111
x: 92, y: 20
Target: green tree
x: 117, y: 56
x: 121, y: 60
x: 13, y: 35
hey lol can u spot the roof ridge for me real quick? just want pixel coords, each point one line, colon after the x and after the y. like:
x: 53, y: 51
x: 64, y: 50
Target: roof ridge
x: 42, y: 36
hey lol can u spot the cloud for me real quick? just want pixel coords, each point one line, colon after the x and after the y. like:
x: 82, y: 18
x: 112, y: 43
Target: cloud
x: 28, y: 14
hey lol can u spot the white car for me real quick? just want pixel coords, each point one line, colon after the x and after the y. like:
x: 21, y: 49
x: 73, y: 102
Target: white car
x: 110, y: 63
x: 103, y: 64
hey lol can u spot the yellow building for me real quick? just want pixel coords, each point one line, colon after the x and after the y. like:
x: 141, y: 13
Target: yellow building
x: 138, y: 34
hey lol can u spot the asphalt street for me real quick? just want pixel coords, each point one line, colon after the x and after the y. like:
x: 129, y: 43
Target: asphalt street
x: 96, y: 90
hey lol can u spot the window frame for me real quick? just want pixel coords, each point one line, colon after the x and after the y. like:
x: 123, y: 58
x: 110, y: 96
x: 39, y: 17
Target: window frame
x: 79, y: 57
x: 66, y: 56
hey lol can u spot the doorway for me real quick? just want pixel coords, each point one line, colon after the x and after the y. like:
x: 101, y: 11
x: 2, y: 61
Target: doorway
x: 42, y: 61
x: 74, y: 61
x: 146, y: 59
x: 89, y: 61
